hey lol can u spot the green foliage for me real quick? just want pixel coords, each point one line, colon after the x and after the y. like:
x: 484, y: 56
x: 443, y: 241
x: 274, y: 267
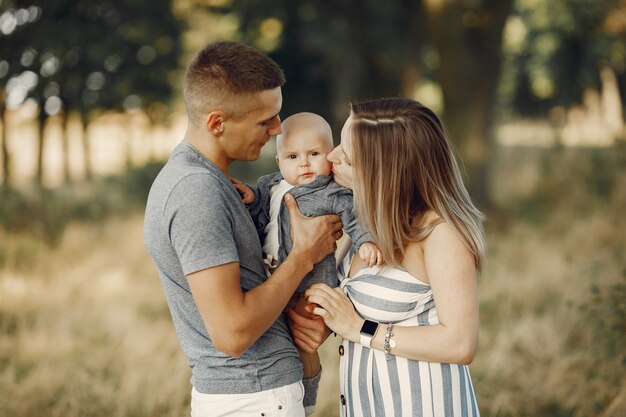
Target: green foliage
x: 44, y: 214
x: 554, y: 51
x: 85, y: 56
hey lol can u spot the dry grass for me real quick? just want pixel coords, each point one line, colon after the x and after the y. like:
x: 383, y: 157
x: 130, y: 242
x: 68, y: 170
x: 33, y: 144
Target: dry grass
x: 539, y: 354
x: 85, y: 331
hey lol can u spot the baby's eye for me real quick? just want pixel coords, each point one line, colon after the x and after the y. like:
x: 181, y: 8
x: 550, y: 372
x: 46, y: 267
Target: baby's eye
x: 314, y: 153
x: 291, y: 157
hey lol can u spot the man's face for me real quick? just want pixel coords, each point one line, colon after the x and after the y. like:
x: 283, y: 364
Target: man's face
x: 301, y: 155
x: 245, y: 136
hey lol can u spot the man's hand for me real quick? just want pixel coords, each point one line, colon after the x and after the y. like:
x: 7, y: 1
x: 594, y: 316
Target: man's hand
x: 313, y: 237
x: 308, y: 333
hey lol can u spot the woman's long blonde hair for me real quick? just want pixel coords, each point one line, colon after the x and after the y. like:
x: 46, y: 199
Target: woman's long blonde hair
x: 404, y: 166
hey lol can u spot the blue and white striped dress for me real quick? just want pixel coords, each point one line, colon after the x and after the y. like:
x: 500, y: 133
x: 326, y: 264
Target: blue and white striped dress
x: 371, y: 385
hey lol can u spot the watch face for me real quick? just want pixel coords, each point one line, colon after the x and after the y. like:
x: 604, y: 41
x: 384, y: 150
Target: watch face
x: 369, y: 327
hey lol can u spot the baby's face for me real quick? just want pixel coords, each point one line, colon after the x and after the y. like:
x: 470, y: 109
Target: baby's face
x: 301, y: 155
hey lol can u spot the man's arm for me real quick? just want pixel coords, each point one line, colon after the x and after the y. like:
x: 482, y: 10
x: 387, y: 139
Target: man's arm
x: 234, y: 319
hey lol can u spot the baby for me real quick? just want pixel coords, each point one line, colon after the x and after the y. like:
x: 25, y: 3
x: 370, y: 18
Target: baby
x: 305, y: 172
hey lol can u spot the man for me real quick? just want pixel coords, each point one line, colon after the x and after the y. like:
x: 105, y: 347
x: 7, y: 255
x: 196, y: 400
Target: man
x: 226, y: 312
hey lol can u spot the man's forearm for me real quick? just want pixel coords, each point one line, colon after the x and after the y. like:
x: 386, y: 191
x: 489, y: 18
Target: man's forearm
x: 261, y: 306
x: 311, y: 363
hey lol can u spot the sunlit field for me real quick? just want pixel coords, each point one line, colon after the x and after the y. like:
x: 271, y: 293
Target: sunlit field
x: 85, y: 331
x: 531, y: 92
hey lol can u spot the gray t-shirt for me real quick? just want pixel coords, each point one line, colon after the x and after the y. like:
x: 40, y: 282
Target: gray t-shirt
x: 195, y: 220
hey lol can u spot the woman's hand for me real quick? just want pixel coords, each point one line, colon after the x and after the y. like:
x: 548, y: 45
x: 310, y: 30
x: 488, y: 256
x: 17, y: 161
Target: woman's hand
x: 336, y: 310
x: 309, y: 330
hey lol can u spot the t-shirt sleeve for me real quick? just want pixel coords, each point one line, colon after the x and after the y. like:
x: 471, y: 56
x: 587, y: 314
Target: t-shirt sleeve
x: 200, y: 225
x: 311, y: 386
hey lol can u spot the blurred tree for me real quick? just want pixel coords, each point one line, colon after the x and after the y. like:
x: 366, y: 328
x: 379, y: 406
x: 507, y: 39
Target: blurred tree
x: 4, y: 151
x: 91, y: 56
x: 556, y: 50
x: 528, y: 55
x: 14, y: 81
x: 333, y: 52
x: 468, y: 38
x: 349, y: 50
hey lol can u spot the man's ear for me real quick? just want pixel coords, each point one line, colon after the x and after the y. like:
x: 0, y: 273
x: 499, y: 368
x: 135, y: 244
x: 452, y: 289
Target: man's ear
x: 215, y: 122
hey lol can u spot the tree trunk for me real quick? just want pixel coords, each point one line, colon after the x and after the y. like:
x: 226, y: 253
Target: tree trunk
x: 131, y: 135
x: 66, y: 148
x: 414, y: 26
x: 4, y: 150
x: 86, y: 146
x: 42, y: 118
x: 469, y: 45
x: 376, y: 80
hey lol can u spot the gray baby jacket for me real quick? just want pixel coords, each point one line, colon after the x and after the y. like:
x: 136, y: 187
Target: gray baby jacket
x: 321, y: 196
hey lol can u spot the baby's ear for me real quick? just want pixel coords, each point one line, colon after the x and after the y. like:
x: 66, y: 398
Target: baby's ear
x: 277, y: 160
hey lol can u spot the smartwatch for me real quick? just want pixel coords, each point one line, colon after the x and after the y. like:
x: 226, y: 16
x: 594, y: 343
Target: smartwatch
x: 368, y: 330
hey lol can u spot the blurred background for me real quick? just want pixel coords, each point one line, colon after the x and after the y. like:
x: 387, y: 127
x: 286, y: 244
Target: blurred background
x: 531, y: 92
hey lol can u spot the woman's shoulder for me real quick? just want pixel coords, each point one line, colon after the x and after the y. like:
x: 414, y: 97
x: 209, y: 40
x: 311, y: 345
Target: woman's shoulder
x: 441, y: 244
x: 413, y: 260
x: 431, y: 230
x: 445, y: 245
x: 423, y: 226
x: 428, y: 228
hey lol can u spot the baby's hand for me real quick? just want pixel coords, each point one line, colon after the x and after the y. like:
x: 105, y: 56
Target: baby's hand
x: 247, y: 195
x: 370, y: 254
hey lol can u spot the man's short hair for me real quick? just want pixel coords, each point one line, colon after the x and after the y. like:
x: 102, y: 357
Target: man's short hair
x: 223, y: 74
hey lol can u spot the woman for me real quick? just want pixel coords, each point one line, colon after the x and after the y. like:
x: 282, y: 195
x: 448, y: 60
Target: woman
x: 410, y: 327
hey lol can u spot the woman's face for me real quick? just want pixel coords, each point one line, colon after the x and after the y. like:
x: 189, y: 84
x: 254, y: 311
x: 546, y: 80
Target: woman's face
x: 341, y: 157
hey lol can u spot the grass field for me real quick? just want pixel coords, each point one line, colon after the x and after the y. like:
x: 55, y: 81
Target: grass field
x: 85, y: 331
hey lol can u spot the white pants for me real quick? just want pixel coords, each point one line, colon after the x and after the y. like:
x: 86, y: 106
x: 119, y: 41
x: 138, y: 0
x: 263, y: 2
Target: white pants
x: 278, y: 402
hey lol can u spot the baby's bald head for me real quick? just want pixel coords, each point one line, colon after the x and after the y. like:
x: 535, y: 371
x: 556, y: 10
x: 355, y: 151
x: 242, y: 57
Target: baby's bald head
x: 300, y: 123
x: 303, y: 147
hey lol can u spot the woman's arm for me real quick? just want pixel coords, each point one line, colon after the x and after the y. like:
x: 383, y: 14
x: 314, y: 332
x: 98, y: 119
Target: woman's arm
x: 450, y: 269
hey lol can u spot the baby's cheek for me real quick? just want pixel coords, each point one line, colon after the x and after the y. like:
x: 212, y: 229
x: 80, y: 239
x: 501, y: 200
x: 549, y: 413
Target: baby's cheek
x: 325, y: 168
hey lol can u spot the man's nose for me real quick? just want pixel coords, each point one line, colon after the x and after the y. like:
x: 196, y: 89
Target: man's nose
x: 275, y: 128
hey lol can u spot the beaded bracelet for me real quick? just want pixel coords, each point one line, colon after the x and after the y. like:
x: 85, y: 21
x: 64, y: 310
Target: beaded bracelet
x: 388, y: 342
